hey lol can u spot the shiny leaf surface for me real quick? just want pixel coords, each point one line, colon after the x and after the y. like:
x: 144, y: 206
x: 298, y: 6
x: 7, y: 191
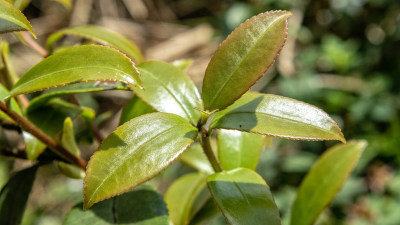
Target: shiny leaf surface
x: 78, y: 64
x: 15, y: 194
x: 102, y: 36
x: 134, y: 153
x: 278, y: 116
x: 168, y: 89
x: 195, y: 158
x: 239, y: 149
x: 181, y: 195
x: 243, y: 197
x: 71, y: 89
x: 11, y: 19
x: 243, y: 58
x: 324, y: 180
x: 134, y: 107
x: 141, y: 206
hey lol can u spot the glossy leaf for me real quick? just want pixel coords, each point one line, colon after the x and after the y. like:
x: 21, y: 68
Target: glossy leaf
x: 11, y: 19
x: 134, y: 107
x: 195, y: 158
x: 70, y: 89
x: 243, y: 197
x: 134, y: 153
x: 99, y: 35
x: 324, y: 180
x: 15, y: 194
x: 182, y: 64
x: 56, y: 111
x: 181, y: 195
x: 243, y: 58
x: 142, y: 206
x: 278, y: 116
x: 168, y: 89
x: 78, y: 64
x: 239, y: 149
x: 33, y: 147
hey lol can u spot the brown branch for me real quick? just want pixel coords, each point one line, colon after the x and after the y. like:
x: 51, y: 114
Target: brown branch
x: 34, y: 45
x: 51, y: 143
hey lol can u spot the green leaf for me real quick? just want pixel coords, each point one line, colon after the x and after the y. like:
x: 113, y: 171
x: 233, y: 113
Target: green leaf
x: 134, y: 107
x: 182, y: 64
x: 324, y: 180
x: 13, y: 105
x: 243, y: 58
x: 78, y: 64
x: 68, y: 138
x: 7, y: 73
x: 207, y: 212
x: 99, y: 35
x: 181, y: 195
x: 50, y: 117
x: 278, y: 116
x: 239, y: 149
x: 71, y: 171
x: 168, y: 89
x: 195, y: 158
x: 11, y: 19
x: 243, y: 197
x: 134, y: 153
x: 70, y: 89
x: 142, y: 206
x: 33, y: 146
x: 15, y: 194
x: 21, y: 4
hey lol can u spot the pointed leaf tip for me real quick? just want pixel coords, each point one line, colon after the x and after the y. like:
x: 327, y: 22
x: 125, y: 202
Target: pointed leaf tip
x: 243, y: 58
x: 12, y: 19
x: 76, y: 65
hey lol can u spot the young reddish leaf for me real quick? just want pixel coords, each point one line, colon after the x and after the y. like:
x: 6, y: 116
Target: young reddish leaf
x: 243, y: 197
x: 134, y: 153
x: 11, y: 19
x: 278, y: 116
x: 99, y: 35
x: 168, y: 89
x: 78, y: 64
x: 181, y: 196
x: 239, y: 149
x: 243, y: 58
x: 324, y: 180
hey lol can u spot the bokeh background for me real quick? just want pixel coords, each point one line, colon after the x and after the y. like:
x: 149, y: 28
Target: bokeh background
x: 341, y: 55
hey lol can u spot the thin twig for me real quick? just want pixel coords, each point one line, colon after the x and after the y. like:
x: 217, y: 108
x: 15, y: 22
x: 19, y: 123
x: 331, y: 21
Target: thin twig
x: 51, y: 143
x: 205, y: 143
x: 34, y: 45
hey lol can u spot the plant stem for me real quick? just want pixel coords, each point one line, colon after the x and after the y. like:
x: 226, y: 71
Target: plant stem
x: 34, y: 45
x: 205, y: 143
x: 54, y: 146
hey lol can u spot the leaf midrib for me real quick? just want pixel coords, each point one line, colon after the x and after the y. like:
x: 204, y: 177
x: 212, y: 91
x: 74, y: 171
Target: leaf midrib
x: 116, y: 166
x: 241, y: 62
x: 271, y: 115
x: 40, y: 77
